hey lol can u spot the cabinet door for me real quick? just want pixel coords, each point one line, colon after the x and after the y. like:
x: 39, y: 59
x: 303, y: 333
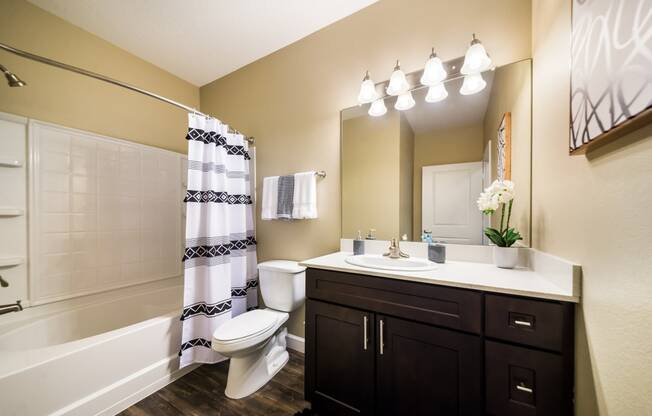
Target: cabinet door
x: 339, y: 359
x: 425, y: 370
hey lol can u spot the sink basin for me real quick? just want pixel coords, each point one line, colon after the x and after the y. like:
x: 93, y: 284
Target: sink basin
x: 375, y: 261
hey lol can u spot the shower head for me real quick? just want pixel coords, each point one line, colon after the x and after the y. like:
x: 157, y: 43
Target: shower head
x: 12, y: 79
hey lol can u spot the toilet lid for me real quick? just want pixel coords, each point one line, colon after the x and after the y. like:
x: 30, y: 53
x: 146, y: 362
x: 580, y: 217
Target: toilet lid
x: 246, y: 325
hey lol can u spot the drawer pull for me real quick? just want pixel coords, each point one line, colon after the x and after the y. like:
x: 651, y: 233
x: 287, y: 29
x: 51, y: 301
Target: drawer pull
x: 524, y: 389
x: 523, y: 323
x: 364, y: 342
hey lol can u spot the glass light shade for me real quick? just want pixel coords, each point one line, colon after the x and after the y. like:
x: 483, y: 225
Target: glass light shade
x: 473, y: 84
x: 476, y: 59
x: 404, y: 101
x: 436, y: 93
x: 367, y: 91
x: 377, y: 108
x: 397, y: 82
x: 434, y: 72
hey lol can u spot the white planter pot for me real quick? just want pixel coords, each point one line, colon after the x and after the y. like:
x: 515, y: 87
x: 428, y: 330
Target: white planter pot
x: 505, y: 257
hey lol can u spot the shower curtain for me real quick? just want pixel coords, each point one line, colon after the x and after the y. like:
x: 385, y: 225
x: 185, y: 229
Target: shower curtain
x: 220, y: 274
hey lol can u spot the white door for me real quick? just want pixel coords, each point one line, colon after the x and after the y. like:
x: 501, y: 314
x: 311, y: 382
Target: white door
x: 448, y: 202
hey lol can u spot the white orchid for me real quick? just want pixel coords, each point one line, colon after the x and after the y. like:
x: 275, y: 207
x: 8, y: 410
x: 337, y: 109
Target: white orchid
x: 497, y: 194
x: 488, y: 202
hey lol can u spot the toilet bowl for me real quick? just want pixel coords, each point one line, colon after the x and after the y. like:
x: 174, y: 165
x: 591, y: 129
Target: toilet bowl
x: 255, y: 340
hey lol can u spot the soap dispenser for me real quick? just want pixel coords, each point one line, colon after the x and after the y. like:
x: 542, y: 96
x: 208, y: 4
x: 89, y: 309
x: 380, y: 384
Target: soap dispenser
x: 358, y: 245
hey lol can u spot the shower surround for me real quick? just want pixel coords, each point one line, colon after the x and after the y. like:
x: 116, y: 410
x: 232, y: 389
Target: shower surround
x: 103, y: 296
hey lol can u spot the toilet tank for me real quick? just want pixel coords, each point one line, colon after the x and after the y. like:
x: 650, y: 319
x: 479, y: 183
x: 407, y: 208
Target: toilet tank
x: 282, y: 284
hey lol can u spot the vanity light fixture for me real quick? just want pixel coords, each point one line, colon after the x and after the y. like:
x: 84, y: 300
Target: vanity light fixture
x: 377, y: 108
x: 436, y: 93
x: 476, y: 59
x: 397, y: 82
x: 367, y: 90
x: 434, y: 72
x: 434, y: 75
x: 404, y: 101
x: 473, y: 84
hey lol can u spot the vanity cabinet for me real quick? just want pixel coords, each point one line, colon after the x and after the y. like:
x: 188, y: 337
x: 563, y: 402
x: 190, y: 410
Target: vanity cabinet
x: 381, y: 346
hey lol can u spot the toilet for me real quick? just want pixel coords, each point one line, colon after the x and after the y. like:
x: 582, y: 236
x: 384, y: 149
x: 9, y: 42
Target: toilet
x: 255, y: 340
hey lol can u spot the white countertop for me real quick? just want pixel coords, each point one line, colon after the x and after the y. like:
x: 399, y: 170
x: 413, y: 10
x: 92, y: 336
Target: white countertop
x: 468, y: 275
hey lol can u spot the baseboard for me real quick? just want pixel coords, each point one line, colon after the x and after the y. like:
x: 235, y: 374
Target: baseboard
x: 296, y: 343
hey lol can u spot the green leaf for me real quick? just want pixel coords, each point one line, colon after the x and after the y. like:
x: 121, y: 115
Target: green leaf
x: 495, y: 236
x: 511, y: 236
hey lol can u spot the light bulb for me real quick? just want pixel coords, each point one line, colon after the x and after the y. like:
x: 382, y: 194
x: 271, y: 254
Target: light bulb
x: 377, y: 108
x: 476, y: 59
x: 397, y: 82
x: 434, y: 71
x: 473, y: 84
x: 436, y: 93
x: 367, y: 90
x: 404, y: 101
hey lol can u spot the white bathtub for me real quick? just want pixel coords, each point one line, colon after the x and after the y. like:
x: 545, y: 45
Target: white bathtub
x: 94, y: 355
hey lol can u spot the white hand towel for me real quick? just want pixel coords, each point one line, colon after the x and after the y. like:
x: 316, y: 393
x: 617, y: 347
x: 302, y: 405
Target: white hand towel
x: 270, y: 198
x: 305, y: 196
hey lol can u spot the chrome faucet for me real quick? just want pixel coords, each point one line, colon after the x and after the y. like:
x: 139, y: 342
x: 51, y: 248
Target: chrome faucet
x: 395, y: 251
x: 11, y: 307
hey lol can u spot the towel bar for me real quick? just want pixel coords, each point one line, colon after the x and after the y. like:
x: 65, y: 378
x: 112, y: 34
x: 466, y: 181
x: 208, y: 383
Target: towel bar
x: 10, y: 163
x: 11, y: 261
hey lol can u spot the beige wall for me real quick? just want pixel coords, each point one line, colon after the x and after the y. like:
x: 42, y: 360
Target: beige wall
x: 370, y: 175
x: 441, y: 147
x: 595, y: 210
x: 406, y: 168
x: 290, y: 100
x: 512, y: 92
x: 75, y: 101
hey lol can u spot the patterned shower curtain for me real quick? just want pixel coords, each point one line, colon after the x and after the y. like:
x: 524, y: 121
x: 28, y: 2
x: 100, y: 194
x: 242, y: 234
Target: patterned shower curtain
x: 220, y: 276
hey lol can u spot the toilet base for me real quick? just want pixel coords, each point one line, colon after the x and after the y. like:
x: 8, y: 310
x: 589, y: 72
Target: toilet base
x: 249, y: 373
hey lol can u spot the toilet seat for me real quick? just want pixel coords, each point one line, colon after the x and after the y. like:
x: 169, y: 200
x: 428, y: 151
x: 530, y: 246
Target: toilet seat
x: 246, y: 325
x: 247, y: 330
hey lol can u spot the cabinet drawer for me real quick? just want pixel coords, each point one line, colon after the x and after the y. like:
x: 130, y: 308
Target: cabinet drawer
x: 448, y: 307
x: 537, y: 323
x: 521, y: 381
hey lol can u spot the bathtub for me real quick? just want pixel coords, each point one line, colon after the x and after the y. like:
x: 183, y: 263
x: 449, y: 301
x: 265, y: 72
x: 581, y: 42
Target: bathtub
x: 94, y: 355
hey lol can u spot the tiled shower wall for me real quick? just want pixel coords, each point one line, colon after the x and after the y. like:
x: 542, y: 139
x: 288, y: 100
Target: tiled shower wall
x: 105, y: 213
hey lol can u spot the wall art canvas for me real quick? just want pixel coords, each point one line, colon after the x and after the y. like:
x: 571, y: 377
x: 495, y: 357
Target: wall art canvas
x: 504, y: 143
x: 611, y: 75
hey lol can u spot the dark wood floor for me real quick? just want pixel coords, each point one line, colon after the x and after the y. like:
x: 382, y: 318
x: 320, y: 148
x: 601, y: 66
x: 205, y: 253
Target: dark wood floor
x: 201, y: 392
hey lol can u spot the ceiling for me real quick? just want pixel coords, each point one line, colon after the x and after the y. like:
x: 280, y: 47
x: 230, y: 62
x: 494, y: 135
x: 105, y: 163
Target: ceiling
x: 201, y: 40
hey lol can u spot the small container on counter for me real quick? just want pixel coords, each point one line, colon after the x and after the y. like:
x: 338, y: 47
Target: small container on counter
x: 437, y: 252
x: 358, y: 245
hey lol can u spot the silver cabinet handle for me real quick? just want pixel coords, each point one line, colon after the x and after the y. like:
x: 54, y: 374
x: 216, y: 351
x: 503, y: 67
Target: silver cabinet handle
x: 382, y: 341
x: 523, y: 388
x: 522, y: 323
x: 366, y: 337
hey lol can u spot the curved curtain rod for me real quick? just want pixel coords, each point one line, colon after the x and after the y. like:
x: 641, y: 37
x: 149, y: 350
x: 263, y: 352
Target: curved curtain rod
x: 104, y: 78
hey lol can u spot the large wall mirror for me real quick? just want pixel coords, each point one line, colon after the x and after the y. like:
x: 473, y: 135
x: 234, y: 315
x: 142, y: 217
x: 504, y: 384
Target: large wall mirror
x: 423, y: 169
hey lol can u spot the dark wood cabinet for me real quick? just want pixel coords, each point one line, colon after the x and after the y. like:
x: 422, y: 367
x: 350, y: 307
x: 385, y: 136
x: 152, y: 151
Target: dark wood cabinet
x: 523, y: 381
x: 378, y: 346
x: 341, y: 359
x: 425, y: 370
